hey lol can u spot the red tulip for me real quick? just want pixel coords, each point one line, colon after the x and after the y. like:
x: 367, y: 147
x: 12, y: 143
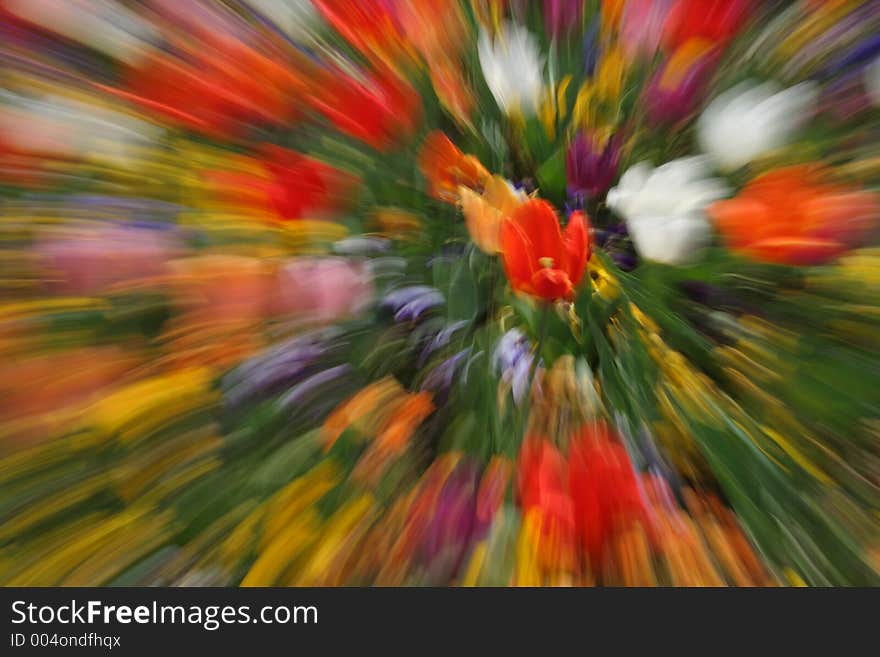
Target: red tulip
x: 371, y: 26
x: 218, y: 94
x: 604, y: 488
x: 543, y: 495
x: 294, y: 186
x: 379, y: 110
x: 716, y: 21
x: 540, y: 470
x: 541, y: 259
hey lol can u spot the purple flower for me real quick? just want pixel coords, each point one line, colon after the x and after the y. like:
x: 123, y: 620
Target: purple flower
x: 561, y: 17
x: 440, y: 340
x: 449, y: 531
x: 513, y: 359
x: 592, y: 48
x: 314, y: 383
x: 590, y: 168
x: 277, y: 368
x: 667, y: 102
x: 409, y: 303
x: 440, y: 378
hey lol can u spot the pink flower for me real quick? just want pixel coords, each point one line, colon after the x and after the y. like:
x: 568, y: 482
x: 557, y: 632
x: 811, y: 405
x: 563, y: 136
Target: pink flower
x: 90, y: 260
x: 641, y: 26
x: 322, y: 289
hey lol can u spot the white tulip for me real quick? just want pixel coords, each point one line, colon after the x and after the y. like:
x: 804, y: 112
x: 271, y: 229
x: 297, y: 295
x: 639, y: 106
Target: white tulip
x: 513, y: 68
x: 664, y: 207
x: 298, y: 19
x: 106, y: 26
x: 750, y: 120
x: 55, y: 125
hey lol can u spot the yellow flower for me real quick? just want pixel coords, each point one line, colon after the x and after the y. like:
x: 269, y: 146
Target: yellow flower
x: 610, y: 74
x: 584, y: 106
x: 605, y: 283
x: 553, y: 107
x: 484, y: 212
x: 396, y: 223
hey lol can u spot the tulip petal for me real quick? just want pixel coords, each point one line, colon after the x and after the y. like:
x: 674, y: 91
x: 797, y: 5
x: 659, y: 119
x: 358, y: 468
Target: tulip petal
x: 576, y: 239
x: 517, y: 256
x: 538, y: 221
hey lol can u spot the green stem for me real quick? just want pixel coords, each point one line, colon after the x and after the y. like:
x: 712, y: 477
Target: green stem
x: 542, y: 333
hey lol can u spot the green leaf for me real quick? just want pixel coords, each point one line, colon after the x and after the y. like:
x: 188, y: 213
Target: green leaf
x: 462, y: 295
x: 551, y: 177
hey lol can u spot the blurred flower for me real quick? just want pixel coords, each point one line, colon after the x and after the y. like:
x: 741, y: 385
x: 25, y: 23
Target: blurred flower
x: 371, y: 26
x: 278, y: 367
x: 750, y: 120
x: 592, y: 48
x: 446, y: 168
x: 298, y: 19
x: 641, y: 26
x: 513, y: 68
x: 604, y: 488
x: 490, y: 497
x: 380, y: 109
x: 452, y: 90
x: 542, y: 487
x: 792, y: 216
x: 408, y: 303
x: 860, y: 55
x: 539, y: 258
x: 562, y: 17
x: 216, y: 90
x: 89, y: 260
x: 513, y: 359
x: 404, y: 420
x: 440, y: 340
x: 591, y: 165
x: 111, y: 28
x: 484, y: 212
x: 291, y: 186
x: 554, y: 107
x: 664, y: 207
x: 57, y: 125
x: 716, y: 21
x: 302, y: 185
x: 610, y: 75
x: 611, y: 12
x: 449, y: 530
x: 396, y: 223
x: 220, y: 286
x: 435, y: 28
x: 440, y: 379
x: 678, y: 87
x: 320, y: 392
x: 323, y: 289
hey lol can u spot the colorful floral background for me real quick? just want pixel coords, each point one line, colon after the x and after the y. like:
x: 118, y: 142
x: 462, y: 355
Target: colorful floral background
x: 341, y: 292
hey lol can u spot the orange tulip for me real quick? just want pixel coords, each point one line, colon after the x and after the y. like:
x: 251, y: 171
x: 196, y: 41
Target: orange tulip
x: 789, y: 216
x: 446, y: 168
x: 484, y: 213
x: 452, y: 90
x: 437, y: 29
x: 541, y: 259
